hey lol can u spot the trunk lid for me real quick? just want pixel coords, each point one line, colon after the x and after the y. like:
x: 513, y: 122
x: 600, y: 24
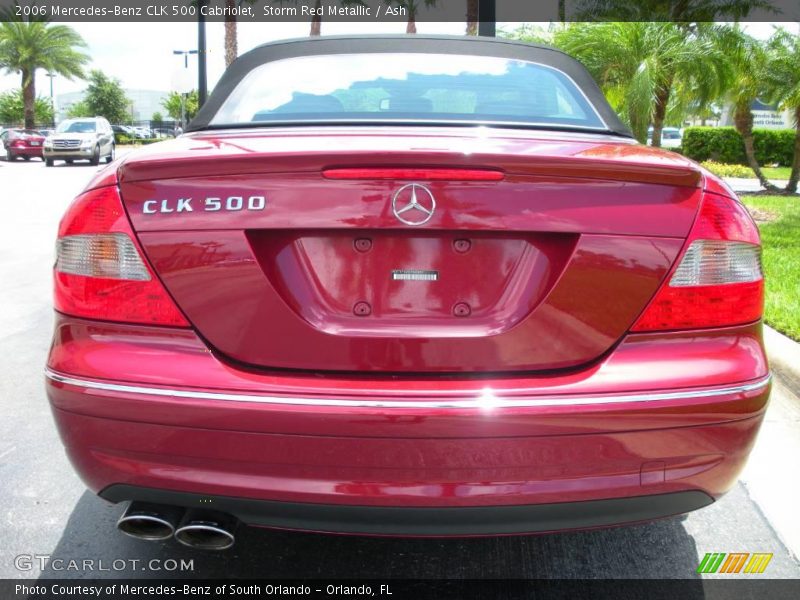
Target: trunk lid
x: 280, y: 262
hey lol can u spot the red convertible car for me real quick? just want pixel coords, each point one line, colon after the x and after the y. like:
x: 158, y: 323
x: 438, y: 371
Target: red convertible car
x: 22, y: 143
x: 410, y: 286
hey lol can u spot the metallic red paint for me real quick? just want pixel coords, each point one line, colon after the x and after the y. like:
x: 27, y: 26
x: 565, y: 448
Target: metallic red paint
x: 609, y: 219
x: 397, y: 471
x: 22, y: 144
x: 409, y: 456
x: 560, y: 265
x: 292, y: 149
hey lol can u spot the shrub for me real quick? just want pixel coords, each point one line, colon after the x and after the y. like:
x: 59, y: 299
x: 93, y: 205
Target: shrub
x: 723, y: 170
x: 774, y: 146
x: 122, y: 139
x: 725, y: 145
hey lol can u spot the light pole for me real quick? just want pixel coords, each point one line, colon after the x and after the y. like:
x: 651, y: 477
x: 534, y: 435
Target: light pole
x: 186, y: 54
x: 202, y: 76
x: 487, y: 18
x: 52, y: 101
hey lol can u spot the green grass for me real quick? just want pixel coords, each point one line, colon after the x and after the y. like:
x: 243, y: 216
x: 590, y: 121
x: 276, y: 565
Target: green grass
x: 771, y: 172
x: 743, y: 171
x: 776, y: 172
x: 781, y: 255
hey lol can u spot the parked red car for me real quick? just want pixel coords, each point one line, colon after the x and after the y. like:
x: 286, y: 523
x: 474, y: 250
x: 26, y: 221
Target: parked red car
x: 406, y: 286
x: 22, y: 143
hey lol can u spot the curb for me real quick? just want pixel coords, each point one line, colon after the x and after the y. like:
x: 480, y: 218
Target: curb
x: 751, y: 186
x: 784, y: 358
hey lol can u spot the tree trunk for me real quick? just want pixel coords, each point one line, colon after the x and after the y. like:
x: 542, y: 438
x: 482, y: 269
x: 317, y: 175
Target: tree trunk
x: 472, y: 17
x: 231, y: 42
x: 316, y: 20
x: 411, y: 26
x: 743, y: 121
x: 29, y: 98
x: 562, y: 11
x: 660, y: 113
x: 795, y: 175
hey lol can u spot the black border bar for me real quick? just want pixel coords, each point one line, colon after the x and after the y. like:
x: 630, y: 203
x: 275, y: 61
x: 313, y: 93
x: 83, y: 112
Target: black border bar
x: 489, y: 11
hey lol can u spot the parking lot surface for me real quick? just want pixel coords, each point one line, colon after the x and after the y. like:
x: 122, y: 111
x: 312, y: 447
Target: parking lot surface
x: 46, y: 511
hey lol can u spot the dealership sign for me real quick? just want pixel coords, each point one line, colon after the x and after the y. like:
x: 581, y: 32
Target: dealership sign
x: 766, y: 116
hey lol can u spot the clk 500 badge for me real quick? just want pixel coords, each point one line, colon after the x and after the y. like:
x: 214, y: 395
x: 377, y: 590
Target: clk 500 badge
x: 211, y: 204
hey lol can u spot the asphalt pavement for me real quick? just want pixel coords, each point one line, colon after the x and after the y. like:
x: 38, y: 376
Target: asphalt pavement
x: 45, y: 510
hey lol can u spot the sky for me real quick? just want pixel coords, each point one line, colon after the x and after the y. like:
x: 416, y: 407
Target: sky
x: 141, y: 55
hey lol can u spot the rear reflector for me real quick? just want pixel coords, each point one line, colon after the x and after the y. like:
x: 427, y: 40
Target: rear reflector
x: 110, y: 255
x: 416, y: 174
x: 718, y: 281
x: 100, y: 272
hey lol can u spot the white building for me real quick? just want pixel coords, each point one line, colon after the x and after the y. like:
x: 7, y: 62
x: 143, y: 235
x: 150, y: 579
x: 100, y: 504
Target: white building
x: 143, y: 103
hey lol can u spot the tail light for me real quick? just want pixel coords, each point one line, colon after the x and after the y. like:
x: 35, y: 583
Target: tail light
x: 718, y: 280
x: 100, y: 272
x: 432, y: 174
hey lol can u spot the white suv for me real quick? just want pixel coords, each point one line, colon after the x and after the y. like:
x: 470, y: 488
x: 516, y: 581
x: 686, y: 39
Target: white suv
x: 80, y: 139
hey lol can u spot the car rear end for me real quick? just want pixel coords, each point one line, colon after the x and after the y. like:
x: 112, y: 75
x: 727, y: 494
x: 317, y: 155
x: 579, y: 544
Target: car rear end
x: 24, y: 143
x: 408, y: 329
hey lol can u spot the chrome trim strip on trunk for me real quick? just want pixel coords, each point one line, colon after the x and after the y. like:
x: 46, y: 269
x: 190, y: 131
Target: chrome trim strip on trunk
x: 485, y: 400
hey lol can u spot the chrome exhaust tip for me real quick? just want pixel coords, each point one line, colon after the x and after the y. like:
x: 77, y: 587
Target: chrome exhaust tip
x: 207, y: 530
x: 146, y: 521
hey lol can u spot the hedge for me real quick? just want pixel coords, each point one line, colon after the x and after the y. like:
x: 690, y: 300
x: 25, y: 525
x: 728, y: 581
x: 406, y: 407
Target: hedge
x: 122, y: 139
x: 725, y: 145
x: 728, y: 170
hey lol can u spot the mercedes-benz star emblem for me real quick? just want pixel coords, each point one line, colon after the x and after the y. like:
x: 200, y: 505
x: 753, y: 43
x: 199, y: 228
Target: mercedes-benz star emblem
x: 413, y: 204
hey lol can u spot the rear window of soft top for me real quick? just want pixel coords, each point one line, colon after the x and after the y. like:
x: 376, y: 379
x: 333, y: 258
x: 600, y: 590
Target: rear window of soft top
x: 407, y: 87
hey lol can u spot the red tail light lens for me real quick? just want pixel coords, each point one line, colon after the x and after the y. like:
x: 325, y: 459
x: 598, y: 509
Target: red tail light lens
x: 100, y: 272
x: 718, y: 281
x: 433, y: 174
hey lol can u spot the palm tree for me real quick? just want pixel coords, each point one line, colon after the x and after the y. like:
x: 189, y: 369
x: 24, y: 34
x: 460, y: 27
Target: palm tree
x: 231, y: 35
x: 316, y: 20
x: 26, y: 46
x: 640, y: 65
x: 783, y: 81
x: 472, y: 16
x: 748, y: 59
x: 685, y: 12
x: 412, y: 8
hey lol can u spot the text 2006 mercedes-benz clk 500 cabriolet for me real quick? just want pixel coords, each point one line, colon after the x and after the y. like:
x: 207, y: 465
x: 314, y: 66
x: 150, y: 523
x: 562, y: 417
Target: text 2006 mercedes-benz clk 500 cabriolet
x: 406, y: 286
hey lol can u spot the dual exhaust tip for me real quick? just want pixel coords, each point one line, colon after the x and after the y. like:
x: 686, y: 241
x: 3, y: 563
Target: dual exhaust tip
x: 201, y: 529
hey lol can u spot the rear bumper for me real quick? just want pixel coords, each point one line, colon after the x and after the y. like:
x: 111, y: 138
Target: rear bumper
x: 465, y: 521
x: 337, y: 445
x: 26, y: 151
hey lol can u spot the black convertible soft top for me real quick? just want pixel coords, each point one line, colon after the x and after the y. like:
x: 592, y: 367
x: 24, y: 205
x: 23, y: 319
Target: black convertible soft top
x: 466, y: 45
